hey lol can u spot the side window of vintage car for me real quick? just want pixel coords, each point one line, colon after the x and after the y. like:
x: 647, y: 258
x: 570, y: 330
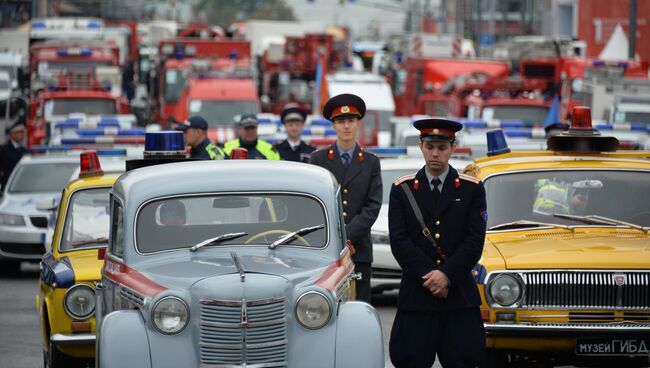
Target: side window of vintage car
x: 117, y: 229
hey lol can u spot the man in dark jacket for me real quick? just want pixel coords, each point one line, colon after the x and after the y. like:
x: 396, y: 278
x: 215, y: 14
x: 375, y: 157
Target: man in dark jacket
x: 293, y: 148
x: 359, y: 174
x: 11, y: 152
x: 438, y: 303
x: 195, y: 130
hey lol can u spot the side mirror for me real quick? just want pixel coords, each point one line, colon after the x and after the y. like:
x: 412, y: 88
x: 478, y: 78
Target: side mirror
x: 47, y: 204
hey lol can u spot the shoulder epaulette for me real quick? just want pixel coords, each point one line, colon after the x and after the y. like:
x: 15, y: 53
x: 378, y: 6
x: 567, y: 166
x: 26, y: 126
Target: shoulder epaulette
x: 469, y: 178
x: 404, y: 178
x: 368, y: 152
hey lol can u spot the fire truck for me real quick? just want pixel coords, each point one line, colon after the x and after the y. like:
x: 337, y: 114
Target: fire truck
x: 289, y: 76
x: 178, y: 57
x: 427, y: 82
x: 69, y: 94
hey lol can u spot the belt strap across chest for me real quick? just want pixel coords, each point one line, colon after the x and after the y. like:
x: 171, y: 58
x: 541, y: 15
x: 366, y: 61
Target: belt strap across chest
x: 425, y: 230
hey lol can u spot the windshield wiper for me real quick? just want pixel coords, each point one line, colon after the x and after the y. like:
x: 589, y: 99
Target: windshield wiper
x: 286, y: 238
x: 599, y: 220
x: 101, y: 240
x: 217, y: 239
x: 522, y: 224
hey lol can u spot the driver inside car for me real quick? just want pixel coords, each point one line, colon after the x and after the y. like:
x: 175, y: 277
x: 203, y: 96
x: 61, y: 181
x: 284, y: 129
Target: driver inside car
x: 172, y: 213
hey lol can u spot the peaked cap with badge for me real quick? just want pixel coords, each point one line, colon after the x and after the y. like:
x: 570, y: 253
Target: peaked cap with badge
x: 345, y: 104
x: 437, y: 130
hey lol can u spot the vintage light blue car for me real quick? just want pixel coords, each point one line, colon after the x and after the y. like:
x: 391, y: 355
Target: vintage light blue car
x: 231, y: 264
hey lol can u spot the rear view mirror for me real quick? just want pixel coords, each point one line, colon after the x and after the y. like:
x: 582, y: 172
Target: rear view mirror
x: 231, y: 202
x: 47, y: 204
x: 587, y: 184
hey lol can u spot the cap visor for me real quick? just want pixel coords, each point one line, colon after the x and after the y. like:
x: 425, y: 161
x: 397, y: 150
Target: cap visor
x: 435, y: 138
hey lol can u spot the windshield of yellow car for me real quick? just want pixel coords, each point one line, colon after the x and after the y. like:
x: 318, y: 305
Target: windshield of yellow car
x: 539, y: 195
x: 86, y: 220
x: 182, y: 222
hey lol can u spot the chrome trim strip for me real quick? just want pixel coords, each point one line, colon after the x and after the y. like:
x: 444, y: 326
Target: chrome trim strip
x: 543, y: 327
x: 300, y: 194
x: 261, y: 365
x: 80, y: 339
x: 237, y: 303
x: 248, y: 324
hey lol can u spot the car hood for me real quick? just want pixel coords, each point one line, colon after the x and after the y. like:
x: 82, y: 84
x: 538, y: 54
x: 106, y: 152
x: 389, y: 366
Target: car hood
x: 381, y: 224
x: 196, y: 266
x: 25, y: 204
x: 591, y: 249
x: 85, y: 264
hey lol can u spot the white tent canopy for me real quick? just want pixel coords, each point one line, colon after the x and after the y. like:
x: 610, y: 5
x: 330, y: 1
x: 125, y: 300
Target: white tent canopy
x: 617, y: 46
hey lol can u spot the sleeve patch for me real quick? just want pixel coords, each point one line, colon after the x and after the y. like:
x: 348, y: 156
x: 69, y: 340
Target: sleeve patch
x: 484, y: 215
x: 469, y: 178
x: 404, y: 178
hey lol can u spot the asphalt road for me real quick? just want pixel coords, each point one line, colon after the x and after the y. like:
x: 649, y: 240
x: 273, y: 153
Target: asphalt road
x: 20, y: 337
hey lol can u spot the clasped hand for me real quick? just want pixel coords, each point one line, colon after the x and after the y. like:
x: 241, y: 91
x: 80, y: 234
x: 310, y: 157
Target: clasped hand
x: 437, y: 283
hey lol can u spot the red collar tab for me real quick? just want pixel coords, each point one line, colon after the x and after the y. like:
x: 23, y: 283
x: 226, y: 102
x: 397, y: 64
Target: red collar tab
x: 330, y: 154
x: 361, y: 157
x: 416, y: 184
x: 345, y: 110
x: 457, y: 183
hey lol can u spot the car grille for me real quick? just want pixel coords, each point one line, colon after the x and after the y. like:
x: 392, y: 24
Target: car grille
x: 243, y: 333
x: 39, y: 221
x: 587, y: 289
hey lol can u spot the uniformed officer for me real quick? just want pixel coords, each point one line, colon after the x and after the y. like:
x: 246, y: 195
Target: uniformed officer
x: 293, y: 148
x: 12, y: 151
x: 195, y: 131
x: 257, y: 149
x: 438, y: 303
x: 359, y: 174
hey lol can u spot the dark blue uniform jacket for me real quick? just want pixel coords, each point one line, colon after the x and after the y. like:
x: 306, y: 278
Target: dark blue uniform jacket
x: 459, y: 220
x: 301, y: 154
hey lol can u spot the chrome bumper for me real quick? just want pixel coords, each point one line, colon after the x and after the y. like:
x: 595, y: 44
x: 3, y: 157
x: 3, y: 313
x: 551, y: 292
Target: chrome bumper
x: 80, y: 339
x: 565, y: 328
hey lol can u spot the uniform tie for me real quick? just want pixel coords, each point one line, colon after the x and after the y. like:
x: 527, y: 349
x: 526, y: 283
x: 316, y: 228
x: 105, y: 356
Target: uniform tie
x: 346, y: 159
x: 436, y: 192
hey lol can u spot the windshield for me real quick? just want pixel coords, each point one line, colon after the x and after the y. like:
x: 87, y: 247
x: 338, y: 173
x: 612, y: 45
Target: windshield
x: 182, y: 222
x: 80, y: 105
x: 529, y: 114
x: 77, y: 67
x: 221, y: 113
x: 633, y: 117
x: 87, y: 220
x: 536, y: 196
x: 4, y: 84
x: 42, y: 178
x: 389, y: 176
x: 173, y: 86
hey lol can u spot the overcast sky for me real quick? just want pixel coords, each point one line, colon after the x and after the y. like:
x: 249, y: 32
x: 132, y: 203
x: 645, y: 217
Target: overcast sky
x: 361, y: 16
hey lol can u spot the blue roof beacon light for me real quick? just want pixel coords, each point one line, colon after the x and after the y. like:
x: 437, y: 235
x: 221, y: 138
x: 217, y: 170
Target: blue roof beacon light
x: 496, y: 142
x: 164, y: 144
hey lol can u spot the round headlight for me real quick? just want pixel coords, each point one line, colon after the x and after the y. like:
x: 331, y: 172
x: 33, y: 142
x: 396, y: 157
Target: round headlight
x: 313, y: 310
x: 170, y: 315
x: 79, y: 301
x: 505, y: 290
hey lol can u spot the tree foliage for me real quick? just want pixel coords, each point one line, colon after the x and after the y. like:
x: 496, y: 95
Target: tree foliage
x: 225, y: 12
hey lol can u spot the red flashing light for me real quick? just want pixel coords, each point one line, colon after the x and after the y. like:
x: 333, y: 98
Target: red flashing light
x: 581, y: 118
x: 239, y: 153
x: 89, y: 164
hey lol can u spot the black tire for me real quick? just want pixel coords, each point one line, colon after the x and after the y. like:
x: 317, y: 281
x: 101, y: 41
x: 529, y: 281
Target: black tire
x: 9, y: 268
x: 56, y: 358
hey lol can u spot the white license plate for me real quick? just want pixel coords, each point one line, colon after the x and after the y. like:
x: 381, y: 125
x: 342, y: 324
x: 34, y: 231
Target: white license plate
x: 613, y: 346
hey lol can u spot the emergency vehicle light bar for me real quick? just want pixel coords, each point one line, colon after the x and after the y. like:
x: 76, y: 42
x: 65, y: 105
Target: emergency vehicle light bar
x: 387, y: 151
x: 625, y: 127
x: 111, y: 131
x: 73, y: 149
x: 496, y: 142
x: 164, y: 143
x: 319, y: 121
x: 89, y: 164
x: 103, y: 140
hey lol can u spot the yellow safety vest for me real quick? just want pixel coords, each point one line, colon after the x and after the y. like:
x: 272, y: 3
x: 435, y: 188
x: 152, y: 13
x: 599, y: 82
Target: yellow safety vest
x: 263, y: 147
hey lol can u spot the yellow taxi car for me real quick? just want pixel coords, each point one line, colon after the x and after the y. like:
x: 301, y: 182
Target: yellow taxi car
x: 565, y: 271
x: 66, y: 298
